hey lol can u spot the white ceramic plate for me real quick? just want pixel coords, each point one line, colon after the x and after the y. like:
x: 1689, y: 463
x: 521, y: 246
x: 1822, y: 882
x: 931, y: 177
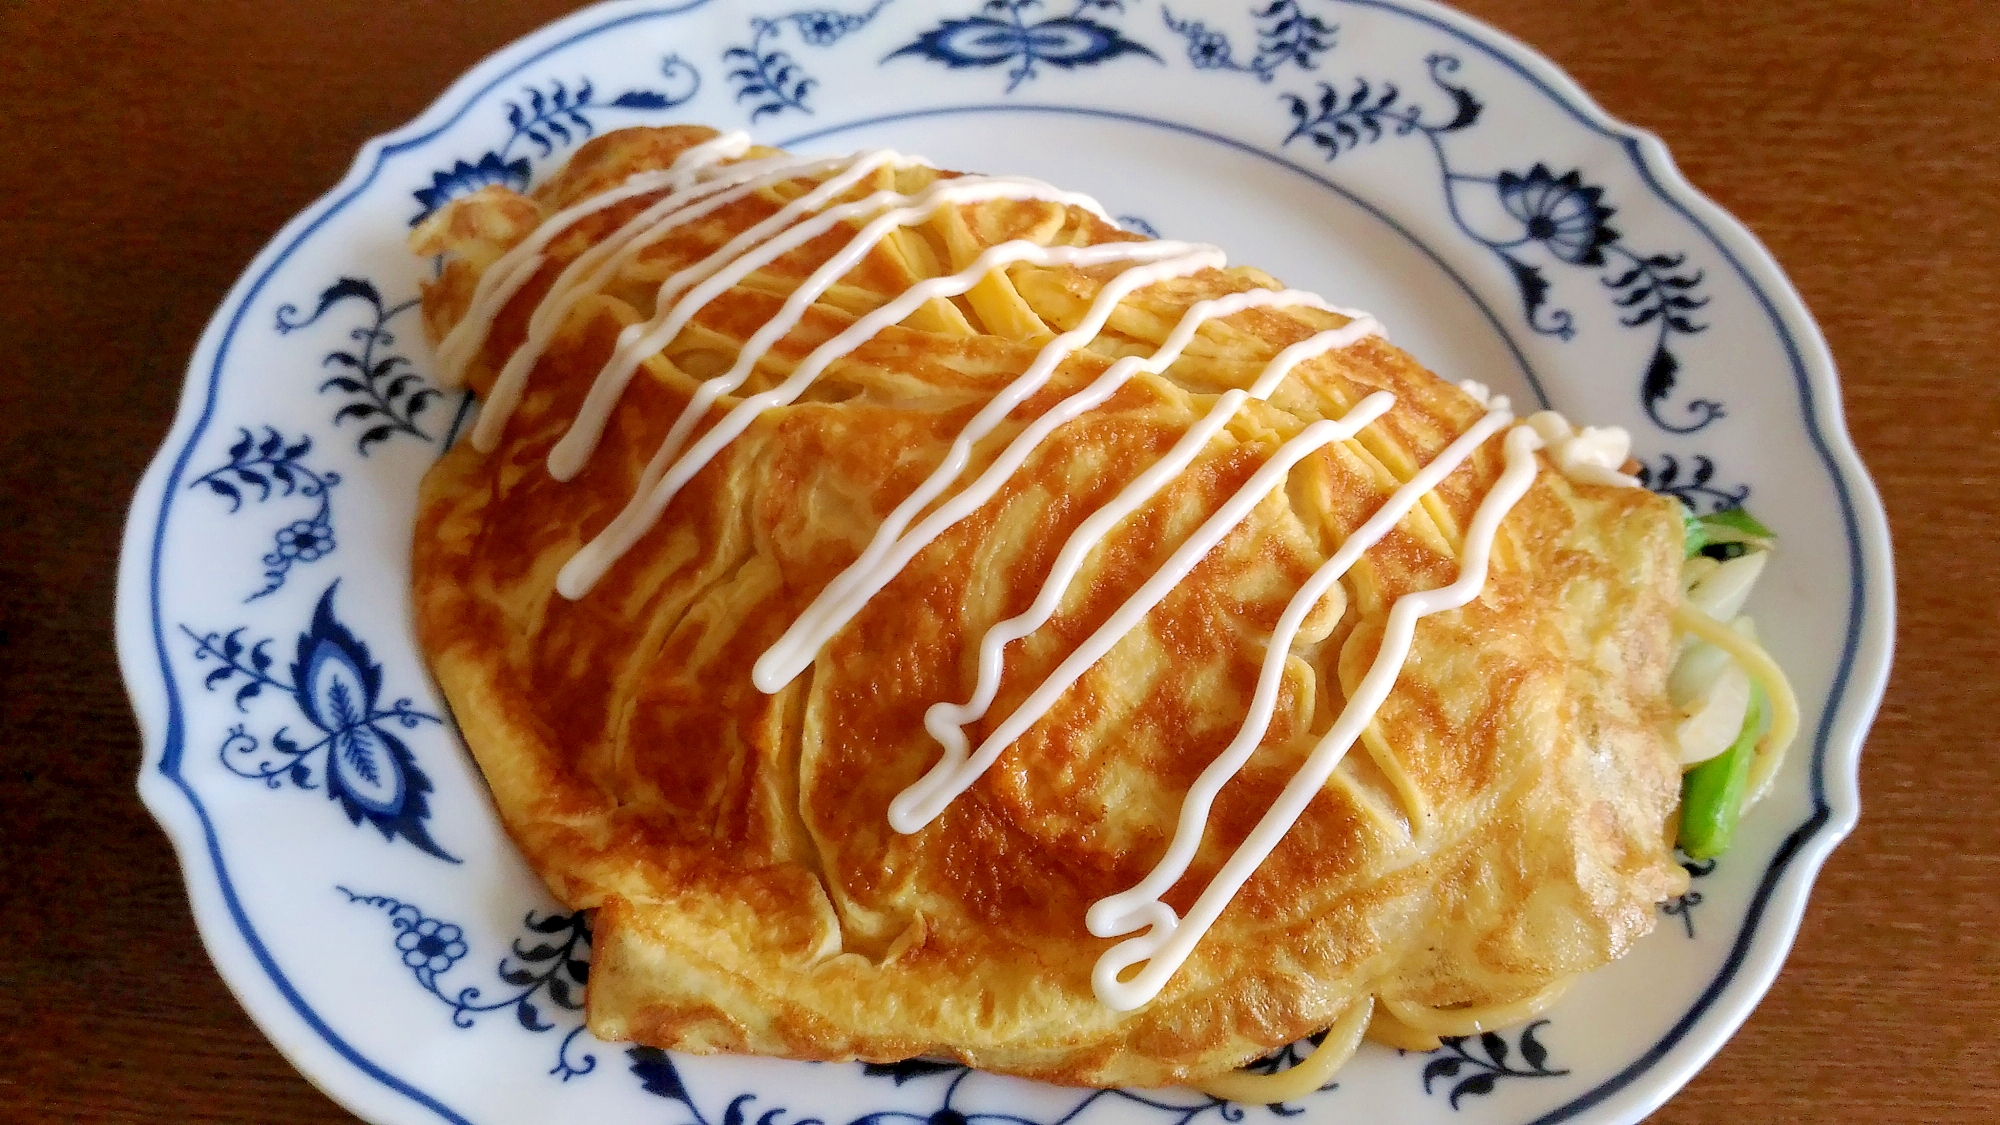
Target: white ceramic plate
x: 347, y: 872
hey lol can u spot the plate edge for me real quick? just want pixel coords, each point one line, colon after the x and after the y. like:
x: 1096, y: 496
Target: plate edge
x: 1845, y: 726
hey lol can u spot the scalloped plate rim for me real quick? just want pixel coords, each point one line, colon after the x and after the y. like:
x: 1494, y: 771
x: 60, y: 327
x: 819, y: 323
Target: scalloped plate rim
x: 1760, y: 947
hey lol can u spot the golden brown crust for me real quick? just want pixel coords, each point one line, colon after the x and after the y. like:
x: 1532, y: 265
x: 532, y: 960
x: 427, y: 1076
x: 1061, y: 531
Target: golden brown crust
x: 1502, y: 824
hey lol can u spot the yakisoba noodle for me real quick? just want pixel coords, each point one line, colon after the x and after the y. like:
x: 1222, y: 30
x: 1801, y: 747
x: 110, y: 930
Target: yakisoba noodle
x: 708, y: 177
x: 1753, y: 659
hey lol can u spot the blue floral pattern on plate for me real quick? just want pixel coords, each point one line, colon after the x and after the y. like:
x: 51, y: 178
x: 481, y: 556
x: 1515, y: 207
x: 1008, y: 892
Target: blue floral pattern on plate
x: 1682, y: 906
x: 1286, y: 33
x: 1473, y: 1065
x: 386, y: 391
x: 275, y: 466
x: 767, y: 77
x: 547, y: 117
x: 1013, y: 33
x: 1698, y: 488
x: 1560, y: 214
x: 659, y: 1076
x: 555, y: 971
x: 336, y: 686
x: 1137, y: 224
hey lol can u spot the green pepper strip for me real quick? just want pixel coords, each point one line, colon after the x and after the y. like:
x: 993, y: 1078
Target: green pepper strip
x: 1694, y: 532
x: 1738, y: 520
x: 1712, y: 792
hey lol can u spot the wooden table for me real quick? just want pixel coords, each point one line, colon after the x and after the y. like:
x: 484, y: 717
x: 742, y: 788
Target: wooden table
x: 150, y: 149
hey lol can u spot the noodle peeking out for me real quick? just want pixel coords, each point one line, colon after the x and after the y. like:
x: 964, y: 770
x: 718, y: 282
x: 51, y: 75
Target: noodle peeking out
x: 1753, y: 659
x: 1314, y: 1071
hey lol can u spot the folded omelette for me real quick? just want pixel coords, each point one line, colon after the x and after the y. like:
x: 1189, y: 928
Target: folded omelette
x: 857, y: 570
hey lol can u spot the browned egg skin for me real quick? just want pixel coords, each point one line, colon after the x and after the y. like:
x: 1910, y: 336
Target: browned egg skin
x: 1501, y: 826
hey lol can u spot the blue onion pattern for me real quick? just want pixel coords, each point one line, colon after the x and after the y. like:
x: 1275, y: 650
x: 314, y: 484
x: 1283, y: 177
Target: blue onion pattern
x: 767, y: 76
x: 276, y: 467
x: 1471, y: 1066
x: 1004, y: 34
x: 463, y: 179
x: 360, y: 758
x: 303, y: 541
x: 1137, y: 224
x: 543, y: 118
x: 431, y: 946
x: 1556, y: 213
x: 1285, y: 34
x: 659, y: 1076
x: 1561, y: 212
x: 1692, y: 483
x: 554, y: 972
x: 385, y: 392
x: 1683, y: 905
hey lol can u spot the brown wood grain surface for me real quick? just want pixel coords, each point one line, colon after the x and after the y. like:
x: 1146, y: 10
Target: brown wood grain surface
x: 148, y: 150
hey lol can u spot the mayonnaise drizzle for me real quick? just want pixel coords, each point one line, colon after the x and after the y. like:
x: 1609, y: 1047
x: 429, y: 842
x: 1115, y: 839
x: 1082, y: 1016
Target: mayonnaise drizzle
x: 1169, y: 939
x: 946, y: 722
x: 505, y: 277
x: 635, y: 344
x: 891, y: 550
x: 1127, y: 910
x: 919, y: 804
x: 851, y: 589
x: 595, y: 267
x: 699, y: 183
x: 1593, y: 455
x: 662, y: 481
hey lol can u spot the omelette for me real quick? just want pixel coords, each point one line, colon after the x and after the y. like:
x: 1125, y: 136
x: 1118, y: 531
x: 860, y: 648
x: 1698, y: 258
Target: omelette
x: 920, y: 618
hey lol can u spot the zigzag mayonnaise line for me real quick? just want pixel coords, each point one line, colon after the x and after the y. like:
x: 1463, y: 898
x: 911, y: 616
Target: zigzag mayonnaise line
x: 1168, y: 940
x: 927, y: 797
x: 595, y: 267
x: 702, y: 181
x: 505, y: 277
x: 891, y: 550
